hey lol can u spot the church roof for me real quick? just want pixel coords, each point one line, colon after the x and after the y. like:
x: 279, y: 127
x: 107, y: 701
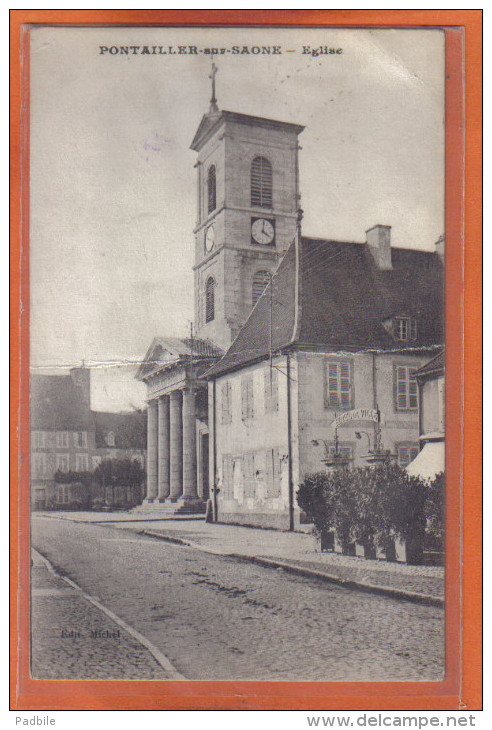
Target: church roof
x: 210, y: 122
x: 58, y: 403
x: 330, y: 295
x: 167, y: 351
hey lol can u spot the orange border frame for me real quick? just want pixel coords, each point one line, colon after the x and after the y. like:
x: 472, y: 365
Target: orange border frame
x: 462, y: 687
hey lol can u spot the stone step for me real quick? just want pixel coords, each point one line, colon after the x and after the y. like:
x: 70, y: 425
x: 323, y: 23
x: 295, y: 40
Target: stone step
x: 170, y: 508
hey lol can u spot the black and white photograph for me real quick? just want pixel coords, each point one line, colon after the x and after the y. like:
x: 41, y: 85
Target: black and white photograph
x: 237, y: 354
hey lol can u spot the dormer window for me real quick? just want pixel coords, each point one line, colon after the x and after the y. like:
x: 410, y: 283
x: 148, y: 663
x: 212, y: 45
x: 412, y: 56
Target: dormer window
x: 404, y: 328
x: 110, y: 438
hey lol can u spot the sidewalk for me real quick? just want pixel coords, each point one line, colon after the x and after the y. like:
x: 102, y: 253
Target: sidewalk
x: 292, y: 551
x: 73, y: 639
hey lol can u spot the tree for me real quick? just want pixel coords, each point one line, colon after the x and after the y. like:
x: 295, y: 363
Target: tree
x: 373, y: 505
x: 113, y: 473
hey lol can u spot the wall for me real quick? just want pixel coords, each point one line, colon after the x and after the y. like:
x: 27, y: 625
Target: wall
x: 433, y: 411
x: 234, y: 259
x: 50, y: 449
x: 373, y: 383
x: 253, y: 452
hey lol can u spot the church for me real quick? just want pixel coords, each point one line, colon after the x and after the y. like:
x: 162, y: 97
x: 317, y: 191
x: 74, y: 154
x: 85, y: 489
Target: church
x: 290, y: 334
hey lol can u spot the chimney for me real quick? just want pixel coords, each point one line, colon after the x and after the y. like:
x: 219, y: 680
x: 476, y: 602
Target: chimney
x: 378, y: 239
x: 440, y: 247
x: 82, y: 378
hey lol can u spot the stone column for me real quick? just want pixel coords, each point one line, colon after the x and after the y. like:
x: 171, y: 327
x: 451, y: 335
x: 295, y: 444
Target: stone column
x: 176, y: 446
x: 163, y: 485
x: 152, y: 453
x: 189, y: 445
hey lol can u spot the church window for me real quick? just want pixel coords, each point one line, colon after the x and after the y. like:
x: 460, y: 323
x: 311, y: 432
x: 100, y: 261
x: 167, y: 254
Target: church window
x: 339, y: 384
x: 405, y: 388
x: 261, y: 183
x: 212, y: 189
x: 210, y: 299
x: 260, y: 281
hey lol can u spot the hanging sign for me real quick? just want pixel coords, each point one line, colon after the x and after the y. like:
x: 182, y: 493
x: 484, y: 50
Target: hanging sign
x: 358, y: 414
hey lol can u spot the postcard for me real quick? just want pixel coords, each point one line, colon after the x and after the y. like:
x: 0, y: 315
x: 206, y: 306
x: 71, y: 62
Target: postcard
x: 240, y: 367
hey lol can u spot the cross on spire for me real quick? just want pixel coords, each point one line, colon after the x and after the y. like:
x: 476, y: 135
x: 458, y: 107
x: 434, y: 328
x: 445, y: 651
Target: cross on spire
x: 213, y: 100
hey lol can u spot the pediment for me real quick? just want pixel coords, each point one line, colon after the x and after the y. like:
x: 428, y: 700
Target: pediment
x: 157, y: 355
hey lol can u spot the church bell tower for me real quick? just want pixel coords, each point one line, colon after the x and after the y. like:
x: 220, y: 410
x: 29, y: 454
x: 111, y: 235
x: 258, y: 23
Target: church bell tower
x: 248, y: 207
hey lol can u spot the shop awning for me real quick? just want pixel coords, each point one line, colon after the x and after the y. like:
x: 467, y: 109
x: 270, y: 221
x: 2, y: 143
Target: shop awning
x: 429, y: 462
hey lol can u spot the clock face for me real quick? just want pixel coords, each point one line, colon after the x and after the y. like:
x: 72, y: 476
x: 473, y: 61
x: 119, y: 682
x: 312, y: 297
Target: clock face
x: 262, y: 231
x: 209, y: 238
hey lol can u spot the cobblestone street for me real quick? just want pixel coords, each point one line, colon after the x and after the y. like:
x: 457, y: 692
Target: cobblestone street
x: 97, y: 649
x: 217, y: 618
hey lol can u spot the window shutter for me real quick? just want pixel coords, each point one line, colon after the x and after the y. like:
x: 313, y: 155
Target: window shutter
x: 344, y: 384
x: 412, y: 388
x: 401, y: 388
x: 226, y: 402
x: 413, y: 329
x: 339, y: 385
x: 249, y: 398
x: 261, y: 183
x: 333, y: 384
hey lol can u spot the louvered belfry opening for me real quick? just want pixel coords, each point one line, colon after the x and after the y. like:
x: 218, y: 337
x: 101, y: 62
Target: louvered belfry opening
x: 210, y: 299
x: 260, y: 281
x: 212, y: 189
x: 261, y: 183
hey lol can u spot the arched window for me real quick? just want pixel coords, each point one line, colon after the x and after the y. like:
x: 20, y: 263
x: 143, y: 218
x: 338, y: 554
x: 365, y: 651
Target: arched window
x: 211, y: 189
x: 210, y: 299
x: 110, y: 438
x: 260, y: 280
x: 261, y: 182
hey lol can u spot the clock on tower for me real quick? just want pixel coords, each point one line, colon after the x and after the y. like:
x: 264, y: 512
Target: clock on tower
x: 248, y: 203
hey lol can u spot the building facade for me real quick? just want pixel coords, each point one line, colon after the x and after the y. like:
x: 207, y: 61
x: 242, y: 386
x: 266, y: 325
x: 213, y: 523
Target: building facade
x: 67, y: 436
x: 343, y: 328
x: 247, y: 217
x: 290, y: 332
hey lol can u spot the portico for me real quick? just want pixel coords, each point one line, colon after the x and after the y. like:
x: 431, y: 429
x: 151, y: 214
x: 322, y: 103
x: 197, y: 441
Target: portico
x: 177, y: 416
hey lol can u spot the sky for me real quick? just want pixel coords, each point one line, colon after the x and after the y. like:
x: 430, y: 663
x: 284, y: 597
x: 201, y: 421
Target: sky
x: 112, y: 178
